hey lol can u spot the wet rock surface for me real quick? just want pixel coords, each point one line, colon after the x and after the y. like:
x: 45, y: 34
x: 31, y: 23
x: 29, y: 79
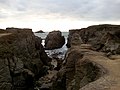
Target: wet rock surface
x: 54, y: 40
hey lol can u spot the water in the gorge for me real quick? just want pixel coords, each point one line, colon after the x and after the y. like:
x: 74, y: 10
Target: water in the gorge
x: 60, y: 53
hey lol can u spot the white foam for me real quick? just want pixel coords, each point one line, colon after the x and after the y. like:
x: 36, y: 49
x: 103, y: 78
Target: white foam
x: 59, y: 52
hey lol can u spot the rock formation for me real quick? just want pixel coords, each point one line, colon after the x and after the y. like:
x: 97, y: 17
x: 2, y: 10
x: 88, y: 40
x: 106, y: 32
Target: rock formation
x: 102, y: 37
x: 2, y: 31
x: 85, y: 69
x: 91, y: 63
x: 22, y: 59
x: 54, y: 40
x: 40, y: 31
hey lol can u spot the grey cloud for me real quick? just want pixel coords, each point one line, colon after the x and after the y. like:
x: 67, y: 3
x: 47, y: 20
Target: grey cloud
x: 84, y: 9
x: 95, y: 10
x: 2, y: 16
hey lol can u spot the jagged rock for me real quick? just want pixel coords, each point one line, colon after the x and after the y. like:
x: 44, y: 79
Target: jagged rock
x: 54, y: 40
x: 43, y: 56
x: 2, y: 31
x: 111, y: 43
x: 102, y: 37
x: 86, y: 69
x: 76, y: 40
x: 22, y: 58
x: 59, y: 81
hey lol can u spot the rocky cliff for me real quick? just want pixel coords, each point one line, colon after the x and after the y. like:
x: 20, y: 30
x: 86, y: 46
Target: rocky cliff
x: 22, y: 59
x: 104, y: 38
x: 40, y: 31
x: 91, y: 63
x: 87, y: 69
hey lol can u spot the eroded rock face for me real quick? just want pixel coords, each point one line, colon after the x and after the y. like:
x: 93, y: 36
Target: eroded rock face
x: 54, y: 40
x: 85, y: 69
x: 102, y: 37
x: 2, y: 31
x: 23, y: 59
x: 77, y: 70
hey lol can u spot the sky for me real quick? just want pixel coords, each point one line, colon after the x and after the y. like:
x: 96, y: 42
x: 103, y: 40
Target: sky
x: 48, y: 15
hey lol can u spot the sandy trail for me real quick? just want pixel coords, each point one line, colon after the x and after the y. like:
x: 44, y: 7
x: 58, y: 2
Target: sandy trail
x: 4, y: 34
x: 109, y: 81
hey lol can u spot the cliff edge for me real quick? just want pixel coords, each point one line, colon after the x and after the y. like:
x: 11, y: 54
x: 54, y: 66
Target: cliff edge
x: 22, y: 59
x: 87, y: 69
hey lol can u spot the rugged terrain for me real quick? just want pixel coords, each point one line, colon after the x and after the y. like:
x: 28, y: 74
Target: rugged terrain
x: 104, y: 37
x: 22, y: 59
x: 92, y: 61
x: 87, y: 68
x: 91, y: 70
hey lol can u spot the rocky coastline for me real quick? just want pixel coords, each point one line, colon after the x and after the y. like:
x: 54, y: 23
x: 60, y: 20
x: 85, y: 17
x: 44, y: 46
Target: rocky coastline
x: 92, y: 61
x: 23, y: 59
x: 104, y: 37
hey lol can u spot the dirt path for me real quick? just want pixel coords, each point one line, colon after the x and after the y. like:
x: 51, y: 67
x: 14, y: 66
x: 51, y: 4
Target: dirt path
x: 4, y: 34
x: 109, y: 81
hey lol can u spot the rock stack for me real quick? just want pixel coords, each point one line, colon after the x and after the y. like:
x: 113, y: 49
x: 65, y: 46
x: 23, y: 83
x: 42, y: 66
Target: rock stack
x: 54, y: 40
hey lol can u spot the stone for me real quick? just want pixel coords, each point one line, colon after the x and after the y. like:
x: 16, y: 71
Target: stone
x: 54, y: 40
x: 23, y: 59
x: 2, y: 31
x: 40, y: 31
x: 104, y: 37
x: 86, y: 69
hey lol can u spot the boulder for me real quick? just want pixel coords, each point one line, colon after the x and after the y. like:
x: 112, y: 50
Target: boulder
x: 54, y: 40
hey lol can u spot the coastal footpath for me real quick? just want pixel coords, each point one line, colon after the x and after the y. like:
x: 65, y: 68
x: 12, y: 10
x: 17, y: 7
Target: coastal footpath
x: 87, y: 69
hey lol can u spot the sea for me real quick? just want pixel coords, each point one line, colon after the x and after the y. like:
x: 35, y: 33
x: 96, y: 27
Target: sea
x: 60, y: 53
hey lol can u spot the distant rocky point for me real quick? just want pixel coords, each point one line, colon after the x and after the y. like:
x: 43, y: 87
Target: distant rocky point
x: 40, y: 31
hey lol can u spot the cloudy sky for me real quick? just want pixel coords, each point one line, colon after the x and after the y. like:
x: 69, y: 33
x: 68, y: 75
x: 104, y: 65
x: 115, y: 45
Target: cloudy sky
x: 58, y: 14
